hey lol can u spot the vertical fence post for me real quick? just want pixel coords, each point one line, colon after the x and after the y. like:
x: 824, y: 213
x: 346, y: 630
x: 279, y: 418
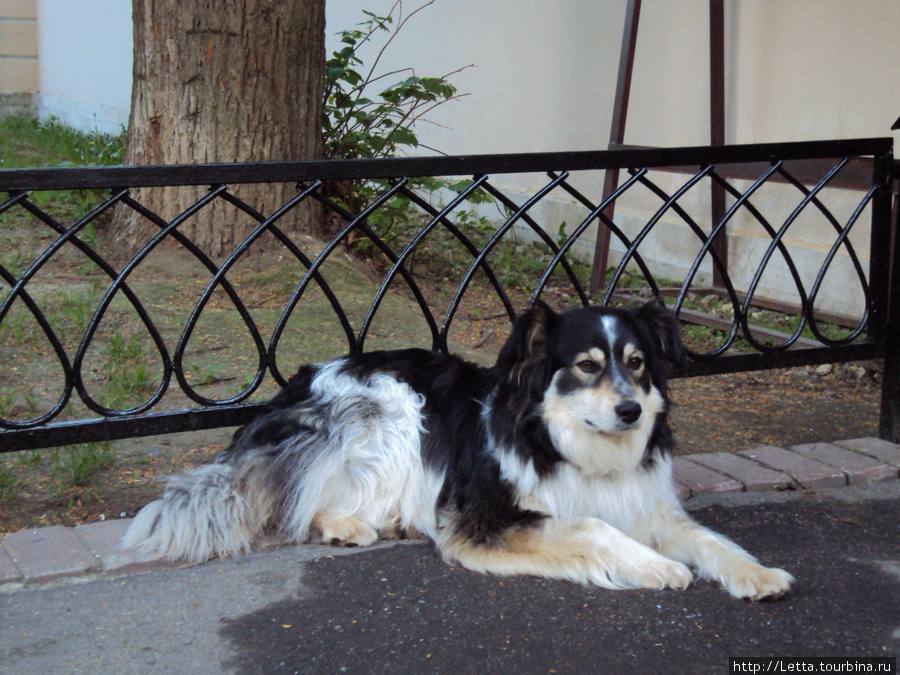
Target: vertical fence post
x: 717, y: 128
x: 616, y: 138
x: 885, y: 286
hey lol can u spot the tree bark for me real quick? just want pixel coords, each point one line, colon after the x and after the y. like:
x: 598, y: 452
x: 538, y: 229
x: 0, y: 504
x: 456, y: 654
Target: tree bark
x: 224, y: 81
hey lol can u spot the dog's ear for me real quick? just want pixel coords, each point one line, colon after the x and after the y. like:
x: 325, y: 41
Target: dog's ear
x: 527, y: 344
x: 664, y: 333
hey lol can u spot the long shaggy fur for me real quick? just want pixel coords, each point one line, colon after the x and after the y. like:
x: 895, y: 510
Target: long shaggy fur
x: 555, y: 462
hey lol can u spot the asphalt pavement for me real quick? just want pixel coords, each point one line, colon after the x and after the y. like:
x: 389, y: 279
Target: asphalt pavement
x: 399, y: 608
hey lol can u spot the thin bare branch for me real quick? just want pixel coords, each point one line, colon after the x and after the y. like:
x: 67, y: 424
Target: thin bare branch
x: 399, y: 27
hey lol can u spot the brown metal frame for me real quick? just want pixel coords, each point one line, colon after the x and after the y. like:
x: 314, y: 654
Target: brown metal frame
x: 620, y: 114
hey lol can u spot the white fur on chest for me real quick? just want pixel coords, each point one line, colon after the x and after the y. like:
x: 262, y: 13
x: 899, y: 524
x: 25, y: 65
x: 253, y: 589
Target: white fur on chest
x: 620, y: 499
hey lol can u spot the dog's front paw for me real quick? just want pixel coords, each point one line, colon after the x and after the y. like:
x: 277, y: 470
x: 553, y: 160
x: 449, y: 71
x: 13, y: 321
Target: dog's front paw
x: 660, y: 573
x: 346, y: 532
x: 750, y: 581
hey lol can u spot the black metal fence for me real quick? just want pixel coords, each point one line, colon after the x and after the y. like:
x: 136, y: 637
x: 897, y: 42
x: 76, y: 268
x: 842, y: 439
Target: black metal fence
x: 72, y: 307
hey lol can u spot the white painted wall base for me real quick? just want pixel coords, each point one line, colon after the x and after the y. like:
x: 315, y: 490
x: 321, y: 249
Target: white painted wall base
x: 105, y: 119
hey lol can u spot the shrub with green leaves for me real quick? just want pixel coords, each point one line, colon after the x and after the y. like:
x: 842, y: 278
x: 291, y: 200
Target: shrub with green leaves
x: 363, y: 119
x: 361, y: 124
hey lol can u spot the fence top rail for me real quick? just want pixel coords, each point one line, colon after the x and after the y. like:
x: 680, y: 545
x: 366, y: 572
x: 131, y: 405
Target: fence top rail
x: 460, y: 165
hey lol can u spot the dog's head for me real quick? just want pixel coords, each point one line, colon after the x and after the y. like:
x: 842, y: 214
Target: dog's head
x: 599, y: 374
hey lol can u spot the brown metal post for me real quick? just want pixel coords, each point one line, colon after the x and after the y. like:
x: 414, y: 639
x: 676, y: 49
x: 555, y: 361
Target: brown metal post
x: 616, y: 137
x: 717, y: 124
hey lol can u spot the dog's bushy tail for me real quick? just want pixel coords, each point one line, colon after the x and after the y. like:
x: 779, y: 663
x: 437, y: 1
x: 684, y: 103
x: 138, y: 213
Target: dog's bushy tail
x: 333, y: 453
x: 201, y: 514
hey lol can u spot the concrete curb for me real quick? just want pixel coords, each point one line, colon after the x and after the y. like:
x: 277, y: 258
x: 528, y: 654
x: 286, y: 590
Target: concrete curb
x: 44, y: 555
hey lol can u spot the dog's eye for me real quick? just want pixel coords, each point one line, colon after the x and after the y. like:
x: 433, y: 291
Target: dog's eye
x: 635, y: 362
x: 588, y: 366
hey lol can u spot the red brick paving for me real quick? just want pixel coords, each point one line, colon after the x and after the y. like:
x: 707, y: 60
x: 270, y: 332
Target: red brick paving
x: 806, y: 472
x: 860, y: 469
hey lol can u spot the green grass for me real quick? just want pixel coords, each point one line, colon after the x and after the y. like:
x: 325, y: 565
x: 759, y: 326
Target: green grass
x: 67, y: 311
x: 128, y: 375
x: 76, y: 464
x: 26, y: 142
x: 14, y: 262
x: 8, y: 483
x: 30, y: 458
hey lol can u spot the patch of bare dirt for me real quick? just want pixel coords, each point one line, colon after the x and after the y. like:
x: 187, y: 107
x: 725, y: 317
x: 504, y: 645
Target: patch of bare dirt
x: 43, y: 495
x: 728, y: 413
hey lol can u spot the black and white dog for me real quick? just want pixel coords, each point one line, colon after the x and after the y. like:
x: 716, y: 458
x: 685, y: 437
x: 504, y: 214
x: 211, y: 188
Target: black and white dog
x: 555, y: 462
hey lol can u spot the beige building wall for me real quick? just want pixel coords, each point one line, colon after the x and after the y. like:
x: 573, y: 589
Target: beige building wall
x: 86, y: 55
x: 545, y: 76
x: 544, y: 73
x: 796, y: 70
x: 18, y: 55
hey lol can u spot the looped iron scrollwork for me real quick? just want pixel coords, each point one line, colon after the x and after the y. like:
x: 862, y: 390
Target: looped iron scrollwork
x: 485, y: 256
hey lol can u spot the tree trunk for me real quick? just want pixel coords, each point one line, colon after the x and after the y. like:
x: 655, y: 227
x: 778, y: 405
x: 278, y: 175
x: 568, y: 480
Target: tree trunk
x: 224, y: 81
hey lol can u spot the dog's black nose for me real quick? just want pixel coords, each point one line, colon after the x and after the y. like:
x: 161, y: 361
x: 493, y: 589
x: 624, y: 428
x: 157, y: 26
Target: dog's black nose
x: 629, y: 411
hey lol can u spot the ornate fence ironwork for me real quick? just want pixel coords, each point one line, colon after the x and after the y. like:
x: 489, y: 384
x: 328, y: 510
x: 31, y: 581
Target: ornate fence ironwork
x: 63, y: 337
